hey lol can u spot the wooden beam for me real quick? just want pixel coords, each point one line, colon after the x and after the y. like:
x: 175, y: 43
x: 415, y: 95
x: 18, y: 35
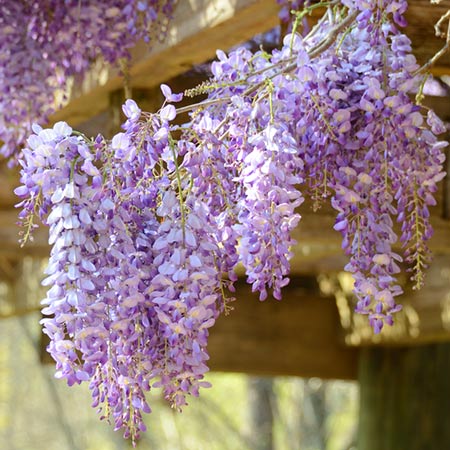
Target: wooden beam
x: 404, y: 398
x: 422, y: 16
x: 316, y: 237
x: 299, y: 335
x: 318, y: 248
x: 202, y: 26
x: 198, y: 29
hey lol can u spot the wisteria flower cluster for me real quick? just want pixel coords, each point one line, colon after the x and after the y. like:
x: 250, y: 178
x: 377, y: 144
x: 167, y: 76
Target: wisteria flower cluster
x: 147, y: 229
x: 44, y: 42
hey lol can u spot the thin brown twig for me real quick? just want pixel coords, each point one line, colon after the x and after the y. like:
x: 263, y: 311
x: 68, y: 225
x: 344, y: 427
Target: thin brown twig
x: 314, y: 52
x: 316, y: 27
x: 427, y: 66
x: 327, y: 42
x: 438, y: 30
x: 125, y: 69
x: 437, y: 27
x: 331, y: 37
x: 203, y: 104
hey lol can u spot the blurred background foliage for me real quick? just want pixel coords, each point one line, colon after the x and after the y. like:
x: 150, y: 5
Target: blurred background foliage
x: 39, y: 412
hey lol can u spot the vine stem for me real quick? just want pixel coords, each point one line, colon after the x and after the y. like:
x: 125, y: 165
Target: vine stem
x: 313, y: 53
x: 180, y: 190
x: 427, y: 66
x: 204, y: 104
x: 308, y: 11
x: 434, y: 59
x: 331, y: 38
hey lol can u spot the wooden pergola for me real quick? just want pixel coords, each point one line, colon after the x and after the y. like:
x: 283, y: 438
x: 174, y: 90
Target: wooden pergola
x: 403, y: 372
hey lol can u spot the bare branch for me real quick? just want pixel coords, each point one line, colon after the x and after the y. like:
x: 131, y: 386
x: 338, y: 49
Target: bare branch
x: 438, y: 30
x: 313, y: 53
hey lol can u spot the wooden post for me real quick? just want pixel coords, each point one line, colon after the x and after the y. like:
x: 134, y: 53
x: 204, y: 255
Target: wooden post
x: 405, y: 398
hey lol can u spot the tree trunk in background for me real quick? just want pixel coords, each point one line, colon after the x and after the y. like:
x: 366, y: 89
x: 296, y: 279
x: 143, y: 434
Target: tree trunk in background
x: 313, y: 424
x: 261, y: 401
x: 405, y: 398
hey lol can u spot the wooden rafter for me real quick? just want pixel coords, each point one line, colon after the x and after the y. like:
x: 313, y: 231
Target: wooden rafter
x: 300, y: 335
x: 199, y: 28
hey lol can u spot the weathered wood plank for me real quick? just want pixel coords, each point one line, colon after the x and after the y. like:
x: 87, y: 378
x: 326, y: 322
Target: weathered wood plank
x: 316, y: 231
x: 298, y: 336
x: 198, y: 29
x: 405, y: 398
x: 202, y: 26
x: 421, y: 17
x: 318, y: 249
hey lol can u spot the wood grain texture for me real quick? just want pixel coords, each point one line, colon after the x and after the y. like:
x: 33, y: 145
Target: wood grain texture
x: 422, y: 16
x: 405, y: 398
x: 298, y: 336
x: 199, y: 28
x: 318, y: 246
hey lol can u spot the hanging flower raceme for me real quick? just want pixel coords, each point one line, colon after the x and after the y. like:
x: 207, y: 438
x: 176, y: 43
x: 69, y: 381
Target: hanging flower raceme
x: 147, y: 229
x: 44, y: 42
x: 136, y: 275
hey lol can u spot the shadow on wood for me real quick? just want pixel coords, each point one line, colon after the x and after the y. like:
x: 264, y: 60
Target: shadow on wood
x: 299, y: 335
x: 405, y: 398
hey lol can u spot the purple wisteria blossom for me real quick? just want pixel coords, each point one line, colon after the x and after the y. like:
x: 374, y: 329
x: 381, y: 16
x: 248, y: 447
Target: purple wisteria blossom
x: 148, y: 229
x: 45, y: 42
